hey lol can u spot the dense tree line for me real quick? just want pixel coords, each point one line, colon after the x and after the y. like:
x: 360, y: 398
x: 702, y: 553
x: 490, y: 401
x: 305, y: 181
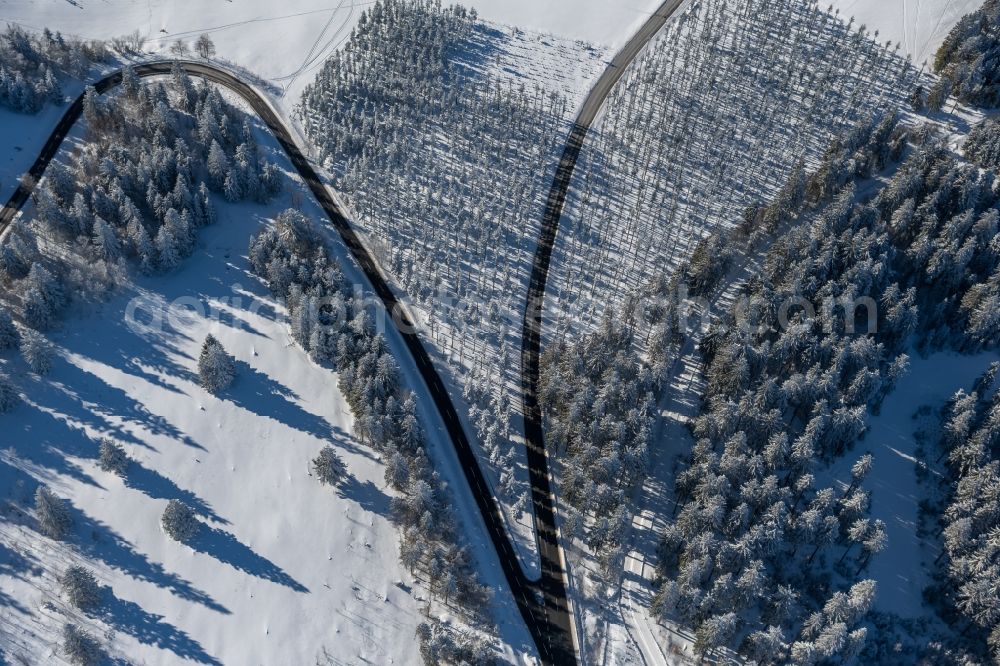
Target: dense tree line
x: 698, y: 131
x: 31, y: 66
x: 598, y: 399
x: 599, y: 391
x: 788, y: 389
x: 139, y: 189
x: 968, y: 61
x: 446, y: 165
x: 336, y: 326
x: 966, y: 591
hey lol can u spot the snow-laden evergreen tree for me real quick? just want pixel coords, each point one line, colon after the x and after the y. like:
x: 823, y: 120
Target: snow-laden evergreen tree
x: 9, y: 395
x: 44, y: 297
x: 113, y: 458
x: 81, y: 647
x: 37, y: 351
x: 9, y: 336
x: 180, y: 522
x: 52, y: 513
x: 328, y: 467
x: 80, y: 587
x: 216, y: 368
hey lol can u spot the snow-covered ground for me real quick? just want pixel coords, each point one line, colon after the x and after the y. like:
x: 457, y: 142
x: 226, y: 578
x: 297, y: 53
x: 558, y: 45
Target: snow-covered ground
x: 919, y: 26
x: 286, y: 568
x: 287, y: 42
x: 903, y: 568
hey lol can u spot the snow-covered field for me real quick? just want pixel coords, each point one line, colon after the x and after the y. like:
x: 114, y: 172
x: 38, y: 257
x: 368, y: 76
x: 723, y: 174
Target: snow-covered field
x: 919, y: 26
x: 287, y: 570
x: 287, y: 567
x: 287, y: 42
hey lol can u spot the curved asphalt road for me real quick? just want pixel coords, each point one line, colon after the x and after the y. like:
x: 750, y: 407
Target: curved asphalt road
x: 548, y: 621
x: 543, y: 604
x: 553, y: 582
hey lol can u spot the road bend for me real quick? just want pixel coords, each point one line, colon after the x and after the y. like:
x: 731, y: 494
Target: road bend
x: 554, y: 581
x: 545, y: 615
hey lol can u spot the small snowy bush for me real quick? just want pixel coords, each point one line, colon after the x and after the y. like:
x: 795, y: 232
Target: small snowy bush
x: 215, y: 366
x: 80, y: 587
x: 9, y: 337
x: 328, y: 466
x: 112, y: 458
x: 53, y: 515
x: 9, y: 396
x: 37, y: 351
x: 179, y: 521
x: 80, y: 647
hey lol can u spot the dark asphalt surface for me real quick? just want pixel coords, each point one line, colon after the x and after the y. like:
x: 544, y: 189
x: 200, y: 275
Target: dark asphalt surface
x: 553, y: 582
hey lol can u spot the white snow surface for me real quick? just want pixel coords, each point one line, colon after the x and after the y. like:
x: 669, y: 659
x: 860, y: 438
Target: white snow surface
x: 286, y: 571
x: 287, y: 42
x: 285, y: 566
x: 904, y: 568
x: 919, y: 26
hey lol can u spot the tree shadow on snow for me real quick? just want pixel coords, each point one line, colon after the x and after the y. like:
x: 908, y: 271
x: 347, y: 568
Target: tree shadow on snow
x: 157, y: 486
x: 260, y: 394
x: 367, y: 495
x: 35, y: 453
x: 98, y: 542
x: 227, y: 549
x: 85, y: 398
x: 149, y: 629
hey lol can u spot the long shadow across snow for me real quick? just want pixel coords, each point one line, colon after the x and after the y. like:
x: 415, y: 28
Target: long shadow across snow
x: 226, y: 548
x: 149, y: 629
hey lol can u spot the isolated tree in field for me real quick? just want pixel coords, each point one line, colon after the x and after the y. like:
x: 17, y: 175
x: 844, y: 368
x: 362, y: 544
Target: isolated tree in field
x: 37, y: 351
x: 53, y: 514
x: 80, y: 587
x: 80, y: 647
x: 112, y: 458
x: 180, y: 522
x: 9, y: 337
x: 215, y: 366
x: 328, y: 466
x: 205, y: 47
x: 179, y: 48
x: 9, y: 397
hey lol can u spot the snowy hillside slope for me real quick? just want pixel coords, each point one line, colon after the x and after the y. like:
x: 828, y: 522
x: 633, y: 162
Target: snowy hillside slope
x: 903, y: 568
x: 447, y: 174
x: 919, y: 26
x: 287, y: 568
x: 287, y: 42
x: 289, y: 571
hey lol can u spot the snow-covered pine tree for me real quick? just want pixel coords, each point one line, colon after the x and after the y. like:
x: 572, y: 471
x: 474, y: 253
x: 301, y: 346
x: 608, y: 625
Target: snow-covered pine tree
x: 54, y: 519
x: 113, y: 458
x: 81, y: 647
x: 216, y: 368
x: 180, y: 522
x: 80, y: 587
x: 37, y: 351
x: 328, y: 467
